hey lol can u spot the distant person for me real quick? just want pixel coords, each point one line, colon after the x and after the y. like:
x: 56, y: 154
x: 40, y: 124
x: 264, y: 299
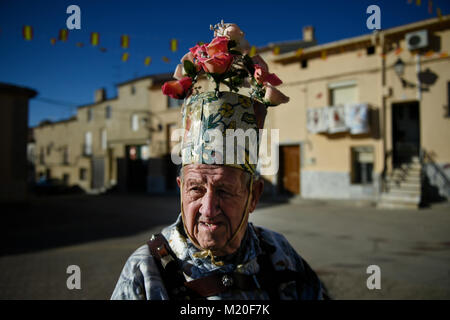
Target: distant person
x: 212, y: 251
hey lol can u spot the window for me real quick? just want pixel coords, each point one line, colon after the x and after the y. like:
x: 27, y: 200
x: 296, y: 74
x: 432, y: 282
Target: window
x: 343, y: 92
x: 90, y: 115
x: 370, y: 50
x: 133, y: 90
x: 104, y: 139
x: 362, y: 165
x: 83, y: 174
x: 135, y: 122
x: 41, y: 156
x: 304, y: 64
x: 174, y: 103
x: 87, y: 144
x: 108, y: 111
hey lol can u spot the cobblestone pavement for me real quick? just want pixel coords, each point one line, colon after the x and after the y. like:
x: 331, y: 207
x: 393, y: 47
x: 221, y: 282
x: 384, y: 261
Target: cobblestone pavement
x: 338, y: 239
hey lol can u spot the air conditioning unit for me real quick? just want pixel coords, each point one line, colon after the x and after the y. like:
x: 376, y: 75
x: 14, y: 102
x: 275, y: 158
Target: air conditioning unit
x: 417, y: 40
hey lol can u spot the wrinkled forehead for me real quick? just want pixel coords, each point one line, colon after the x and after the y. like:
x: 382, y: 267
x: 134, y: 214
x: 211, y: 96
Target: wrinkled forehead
x: 212, y: 174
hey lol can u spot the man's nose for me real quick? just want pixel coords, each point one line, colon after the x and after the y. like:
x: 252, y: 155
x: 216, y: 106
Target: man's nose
x: 210, y: 204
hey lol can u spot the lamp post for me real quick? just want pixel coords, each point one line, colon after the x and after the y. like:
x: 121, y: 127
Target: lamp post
x: 399, y: 68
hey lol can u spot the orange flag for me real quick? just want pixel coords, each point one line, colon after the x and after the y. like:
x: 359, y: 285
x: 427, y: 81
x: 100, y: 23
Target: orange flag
x: 165, y: 59
x: 53, y: 41
x: 27, y: 32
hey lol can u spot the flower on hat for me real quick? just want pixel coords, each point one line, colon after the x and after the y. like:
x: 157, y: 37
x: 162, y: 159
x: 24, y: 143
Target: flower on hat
x: 225, y: 60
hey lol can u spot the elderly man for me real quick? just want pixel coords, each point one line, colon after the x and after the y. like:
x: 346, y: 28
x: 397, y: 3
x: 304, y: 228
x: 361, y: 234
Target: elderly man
x: 212, y: 251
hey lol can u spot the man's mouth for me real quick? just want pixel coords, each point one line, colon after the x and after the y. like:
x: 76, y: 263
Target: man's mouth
x: 210, y: 226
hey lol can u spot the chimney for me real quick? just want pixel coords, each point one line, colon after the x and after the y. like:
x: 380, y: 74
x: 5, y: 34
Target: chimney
x: 100, y: 95
x: 308, y: 33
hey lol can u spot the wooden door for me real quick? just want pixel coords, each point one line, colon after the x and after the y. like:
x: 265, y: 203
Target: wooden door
x: 290, y: 169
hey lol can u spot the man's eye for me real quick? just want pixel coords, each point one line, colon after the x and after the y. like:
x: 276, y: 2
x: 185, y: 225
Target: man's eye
x: 224, y: 192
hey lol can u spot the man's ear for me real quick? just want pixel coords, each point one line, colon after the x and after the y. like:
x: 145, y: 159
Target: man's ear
x: 179, y: 182
x: 258, y: 188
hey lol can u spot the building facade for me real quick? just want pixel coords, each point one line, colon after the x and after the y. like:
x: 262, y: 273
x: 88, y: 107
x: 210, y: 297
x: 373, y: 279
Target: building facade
x: 399, y: 78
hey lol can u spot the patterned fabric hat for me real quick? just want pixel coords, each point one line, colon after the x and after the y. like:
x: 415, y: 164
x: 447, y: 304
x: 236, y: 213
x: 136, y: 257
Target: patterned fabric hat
x: 222, y: 128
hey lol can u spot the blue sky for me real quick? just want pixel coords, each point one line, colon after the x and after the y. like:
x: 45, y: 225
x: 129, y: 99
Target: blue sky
x: 69, y: 74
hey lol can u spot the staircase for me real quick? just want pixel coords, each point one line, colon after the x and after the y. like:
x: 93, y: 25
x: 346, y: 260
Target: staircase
x: 403, y: 187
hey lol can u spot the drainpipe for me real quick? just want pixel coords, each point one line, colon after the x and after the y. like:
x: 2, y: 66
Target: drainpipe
x: 383, y: 107
x: 419, y: 85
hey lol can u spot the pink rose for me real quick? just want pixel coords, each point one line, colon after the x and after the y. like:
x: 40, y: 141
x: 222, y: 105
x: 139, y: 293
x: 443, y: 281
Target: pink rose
x: 179, y: 72
x: 274, y: 96
x: 220, y: 63
x: 218, y: 45
x: 177, y: 89
x: 233, y: 32
x: 262, y: 76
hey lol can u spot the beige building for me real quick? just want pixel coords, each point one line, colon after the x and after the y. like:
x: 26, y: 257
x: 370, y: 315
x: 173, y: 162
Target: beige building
x: 120, y: 141
x: 407, y: 112
x: 13, y: 141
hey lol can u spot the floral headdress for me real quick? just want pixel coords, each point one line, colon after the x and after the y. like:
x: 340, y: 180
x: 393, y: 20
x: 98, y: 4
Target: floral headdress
x: 225, y: 60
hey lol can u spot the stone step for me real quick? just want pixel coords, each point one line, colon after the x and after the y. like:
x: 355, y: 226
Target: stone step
x: 400, y: 197
x: 406, y: 178
x: 404, y: 191
x: 397, y: 205
x: 413, y: 185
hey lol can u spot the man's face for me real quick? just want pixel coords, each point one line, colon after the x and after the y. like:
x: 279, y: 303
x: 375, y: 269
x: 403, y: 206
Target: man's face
x: 214, y: 199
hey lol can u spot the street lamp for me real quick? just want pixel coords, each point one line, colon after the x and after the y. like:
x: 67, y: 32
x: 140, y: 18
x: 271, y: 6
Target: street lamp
x: 399, y: 68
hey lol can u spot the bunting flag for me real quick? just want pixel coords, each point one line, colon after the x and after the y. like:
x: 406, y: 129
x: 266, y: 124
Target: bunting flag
x: 27, y: 32
x: 299, y: 52
x: 95, y: 38
x: 276, y: 50
x: 174, y: 45
x: 125, y: 56
x: 439, y: 13
x: 443, y: 55
x: 147, y: 61
x: 103, y: 49
x: 63, y: 35
x: 53, y: 41
x: 429, y: 53
x: 323, y: 55
x: 252, y: 52
x: 165, y: 59
x: 79, y: 44
x: 124, y: 41
x: 383, y: 55
x: 409, y: 1
x: 418, y: 3
x: 398, y: 51
x: 430, y: 6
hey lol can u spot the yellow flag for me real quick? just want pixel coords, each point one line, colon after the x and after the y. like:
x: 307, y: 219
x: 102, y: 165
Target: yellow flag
x: 95, y: 38
x: 125, y: 56
x: 124, y: 41
x: 53, y: 41
x: 276, y: 50
x: 147, y: 61
x: 174, y: 45
x: 439, y: 13
x: 323, y: 55
x: 418, y: 2
x: 27, y: 33
x: 299, y: 52
x: 165, y: 59
x: 252, y: 51
x: 63, y: 35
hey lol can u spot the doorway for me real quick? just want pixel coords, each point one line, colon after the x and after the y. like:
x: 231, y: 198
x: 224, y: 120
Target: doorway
x: 290, y: 169
x: 405, y: 132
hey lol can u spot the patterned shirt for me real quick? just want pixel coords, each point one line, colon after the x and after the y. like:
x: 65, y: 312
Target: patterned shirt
x: 141, y: 280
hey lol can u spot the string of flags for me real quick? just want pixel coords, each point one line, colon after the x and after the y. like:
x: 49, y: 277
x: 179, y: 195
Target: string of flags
x: 63, y: 35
